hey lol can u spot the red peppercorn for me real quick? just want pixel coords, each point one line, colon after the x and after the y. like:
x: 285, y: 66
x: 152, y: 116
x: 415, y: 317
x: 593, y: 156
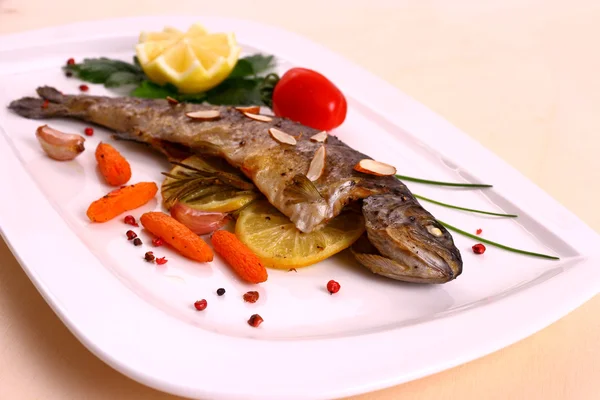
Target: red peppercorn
x: 478, y: 231
x: 161, y: 261
x: 251, y: 297
x: 333, y: 287
x: 70, y: 61
x: 157, y: 242
x: 89, y: 131
x: 137, y: 242
x: 255, y: 320
x: 478, y: 248
x: 149, y: 256
x: 131, y: 235
x: 84, y: 88
x: 201, y: 305
x: 45, y: 104
x: 130, y: 220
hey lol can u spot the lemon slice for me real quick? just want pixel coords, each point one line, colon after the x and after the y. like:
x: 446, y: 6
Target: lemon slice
x: 194, y: 61
x: 223, y: 202
x: 279, y: 244
x: 202, y: 197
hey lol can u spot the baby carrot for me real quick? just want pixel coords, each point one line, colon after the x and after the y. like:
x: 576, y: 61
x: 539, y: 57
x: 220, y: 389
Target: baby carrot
x: 120, y: 200
x: 113, y: 166
x: 177, y: 235
x: 241, y: 259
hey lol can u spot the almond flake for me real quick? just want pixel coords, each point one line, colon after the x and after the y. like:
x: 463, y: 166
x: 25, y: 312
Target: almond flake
x: 258, y: 117
x: 251, y: 109
x: 317, y: 165
x: 375, y: 168
x: 172, y: 101
x: 319, y: 137
x: 282, y: 137
x: 204, y: 115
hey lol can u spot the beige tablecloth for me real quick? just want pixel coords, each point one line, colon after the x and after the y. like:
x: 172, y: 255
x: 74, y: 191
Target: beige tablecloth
x: 520, y: 76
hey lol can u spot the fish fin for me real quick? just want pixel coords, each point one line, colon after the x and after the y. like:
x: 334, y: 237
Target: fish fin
x: 48, y: 105
x: 51, y: 94
x: 300, y: 189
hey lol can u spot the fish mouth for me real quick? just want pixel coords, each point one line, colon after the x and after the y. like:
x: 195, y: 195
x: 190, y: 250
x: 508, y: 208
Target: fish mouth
x: 398, y: 255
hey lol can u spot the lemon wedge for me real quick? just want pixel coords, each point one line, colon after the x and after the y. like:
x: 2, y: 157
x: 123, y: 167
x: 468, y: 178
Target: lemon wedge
x: 279, y: 244
x: 194, y: 61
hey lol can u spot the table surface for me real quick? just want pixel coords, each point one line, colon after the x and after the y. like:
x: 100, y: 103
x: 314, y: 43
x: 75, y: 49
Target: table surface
x: 520, y: 76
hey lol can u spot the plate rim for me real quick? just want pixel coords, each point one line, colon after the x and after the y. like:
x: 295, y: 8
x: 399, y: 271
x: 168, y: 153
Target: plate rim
x: 530, y: 320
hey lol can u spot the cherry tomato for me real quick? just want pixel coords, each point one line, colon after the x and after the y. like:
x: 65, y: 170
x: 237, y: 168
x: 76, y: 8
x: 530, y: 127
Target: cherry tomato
x: 308, y: 97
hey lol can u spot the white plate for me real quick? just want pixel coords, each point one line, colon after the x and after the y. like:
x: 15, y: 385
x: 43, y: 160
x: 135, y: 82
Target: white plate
x: 373, y: 334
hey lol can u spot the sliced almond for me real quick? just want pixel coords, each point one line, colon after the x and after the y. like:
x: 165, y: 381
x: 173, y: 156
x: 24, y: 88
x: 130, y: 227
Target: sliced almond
x: 282, y: 137
x: 251, y: 109
x: 204, y: 115
x: 172, y: 101
x: 317, y: 165
x: 375, y: 168
x: 258, y: 117
x: 319, y: 137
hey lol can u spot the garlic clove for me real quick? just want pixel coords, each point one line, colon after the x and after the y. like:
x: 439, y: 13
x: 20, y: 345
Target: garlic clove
x: 59, y: 145
x: 199, y: 222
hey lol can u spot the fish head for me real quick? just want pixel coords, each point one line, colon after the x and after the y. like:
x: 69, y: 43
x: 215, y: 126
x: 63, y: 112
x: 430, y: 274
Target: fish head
x: 405, y: 242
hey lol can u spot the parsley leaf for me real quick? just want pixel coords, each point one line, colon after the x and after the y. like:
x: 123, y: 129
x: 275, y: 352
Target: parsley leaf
x: 99, y: 70
x: 244, y: 86
x: 252, y: 66
x: 260, y: 63
x: 235, y: 92
x: 151, y: 90
x: 121, y: 78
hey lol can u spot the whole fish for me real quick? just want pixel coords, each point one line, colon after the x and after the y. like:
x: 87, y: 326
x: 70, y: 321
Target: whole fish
x: 403, y: 241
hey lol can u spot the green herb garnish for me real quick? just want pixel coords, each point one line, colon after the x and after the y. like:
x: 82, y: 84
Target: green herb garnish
x: 266, y: 89
x: 101, y: 70
x: 471, y: 185
x: 504, y: 247
x: 464, y: 208
x: 244, y: 86
x: 253, y: 66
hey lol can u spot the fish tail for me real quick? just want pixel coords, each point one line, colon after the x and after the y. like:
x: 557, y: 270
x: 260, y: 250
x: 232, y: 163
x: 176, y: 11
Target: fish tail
x: 50, y: 104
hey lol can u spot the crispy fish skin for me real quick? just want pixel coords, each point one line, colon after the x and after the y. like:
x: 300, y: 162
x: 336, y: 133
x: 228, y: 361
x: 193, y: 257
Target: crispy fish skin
x: 397, y: 225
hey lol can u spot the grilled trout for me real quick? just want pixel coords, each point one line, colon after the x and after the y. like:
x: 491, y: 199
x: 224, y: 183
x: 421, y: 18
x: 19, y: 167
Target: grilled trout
x: 403, y: 241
